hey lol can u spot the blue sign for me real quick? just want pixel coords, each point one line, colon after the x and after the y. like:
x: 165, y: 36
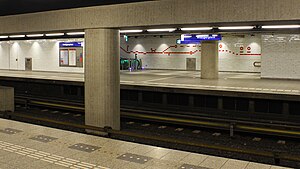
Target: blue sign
x: 196, y: 39
x: 70, y: 44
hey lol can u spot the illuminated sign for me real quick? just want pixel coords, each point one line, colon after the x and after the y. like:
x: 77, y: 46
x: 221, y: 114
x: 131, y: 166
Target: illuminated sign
x: 196, y: 39
x: 70, y: 44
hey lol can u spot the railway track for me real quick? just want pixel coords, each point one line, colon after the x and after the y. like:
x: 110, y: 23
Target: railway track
x: 273, y: 128
x: 232, y: 126
x: 276, y: 157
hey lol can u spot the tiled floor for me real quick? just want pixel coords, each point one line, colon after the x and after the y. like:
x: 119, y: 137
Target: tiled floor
x: 245, y: 82
x: 19, y: 151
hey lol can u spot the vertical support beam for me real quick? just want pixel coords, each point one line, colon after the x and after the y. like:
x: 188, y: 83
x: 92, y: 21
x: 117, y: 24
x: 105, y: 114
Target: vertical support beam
x: 220, y: 103
x: 191, y: 101
x: 140, y: 97
x: 251, y: 106
x: 285, y: 108
x: 102, y: 78
x: 164, y: 99
x: 209, y: 60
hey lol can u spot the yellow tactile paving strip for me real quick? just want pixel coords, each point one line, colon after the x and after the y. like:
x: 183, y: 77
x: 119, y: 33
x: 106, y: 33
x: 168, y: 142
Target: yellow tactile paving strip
x: 48, y: 157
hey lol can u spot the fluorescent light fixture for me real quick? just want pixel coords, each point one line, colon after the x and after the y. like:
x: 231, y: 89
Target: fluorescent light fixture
x: 55, y: 34
x: 280, y: 26
x: 197, y: 29
x: 235, y: 27
x: 131, y: 31
x: 17, y: 36
x: 35, y: 35
x: 3, y: 37
x: 75, y: 33
x: 162, y: 30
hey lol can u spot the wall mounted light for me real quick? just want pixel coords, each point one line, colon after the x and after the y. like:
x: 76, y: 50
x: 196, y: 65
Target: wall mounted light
x: 3, y: 37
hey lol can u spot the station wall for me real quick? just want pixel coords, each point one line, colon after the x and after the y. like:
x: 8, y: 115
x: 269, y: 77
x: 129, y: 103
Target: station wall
x: 281, y: 56
x: 236, y: 53
x: 4, y: 55
x: 44, y: 54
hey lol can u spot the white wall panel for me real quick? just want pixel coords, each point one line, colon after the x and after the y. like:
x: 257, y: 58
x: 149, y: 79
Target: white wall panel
x: 281, y: 56
x: 44, y: 54
x: 15, y: 57
x: 4, y: 55
x: 164, y: 53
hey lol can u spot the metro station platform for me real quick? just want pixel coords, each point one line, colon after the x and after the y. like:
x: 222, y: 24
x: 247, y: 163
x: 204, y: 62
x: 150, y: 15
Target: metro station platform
x: 27, y: 146
x: 237, y: 82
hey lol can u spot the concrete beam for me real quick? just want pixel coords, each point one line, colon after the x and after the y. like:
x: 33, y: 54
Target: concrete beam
x: 151, y: 13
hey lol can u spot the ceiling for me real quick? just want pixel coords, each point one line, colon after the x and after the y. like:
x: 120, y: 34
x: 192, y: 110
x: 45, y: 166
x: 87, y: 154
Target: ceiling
x: 12, y: 7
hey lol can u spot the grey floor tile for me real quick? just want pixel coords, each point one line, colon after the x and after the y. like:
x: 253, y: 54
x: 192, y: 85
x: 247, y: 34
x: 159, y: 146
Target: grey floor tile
x: 194, y: 159
x: 175, y: 155
x: 252, y: 165
x: 213, y: 162
x: 235, y: 164
x: 188, y: 166
x: 158, y: 153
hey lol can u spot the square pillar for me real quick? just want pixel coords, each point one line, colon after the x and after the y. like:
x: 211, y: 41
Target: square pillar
x: 102, y: 78
x: 209, y: 60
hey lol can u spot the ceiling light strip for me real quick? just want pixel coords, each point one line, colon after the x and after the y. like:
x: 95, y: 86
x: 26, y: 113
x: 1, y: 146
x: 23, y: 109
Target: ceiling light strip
x: 17, y: 36
x: 131, y: 31
x: 55, y: 34
x: 35, y: 35
x: 280, y: 26
x: 162, y: 30
x: 3, y: 37
x: 197, y: 29
x: 235, y: 27
x: 75, y: 33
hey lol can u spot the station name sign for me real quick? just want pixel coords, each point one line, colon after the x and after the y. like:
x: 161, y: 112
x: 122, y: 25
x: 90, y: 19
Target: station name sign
x: 70, y: 44
x: 196, y: 39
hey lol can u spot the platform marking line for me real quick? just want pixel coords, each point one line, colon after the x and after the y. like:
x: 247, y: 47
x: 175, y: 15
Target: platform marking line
x: 23, y: 154
x: 81, y: 167
x: 73, y: 162
x: 85, y: 166
x: 88, y: 164
x: 47, y: 157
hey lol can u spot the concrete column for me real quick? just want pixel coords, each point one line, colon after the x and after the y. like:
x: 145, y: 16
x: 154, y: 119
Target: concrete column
x: 209, y: 60
x: 102, y: 78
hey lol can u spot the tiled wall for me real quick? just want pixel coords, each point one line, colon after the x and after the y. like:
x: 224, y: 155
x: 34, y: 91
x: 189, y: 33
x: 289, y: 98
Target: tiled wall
x: 44, y: 54
x: 281, y: 56
x: 236, y: 53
